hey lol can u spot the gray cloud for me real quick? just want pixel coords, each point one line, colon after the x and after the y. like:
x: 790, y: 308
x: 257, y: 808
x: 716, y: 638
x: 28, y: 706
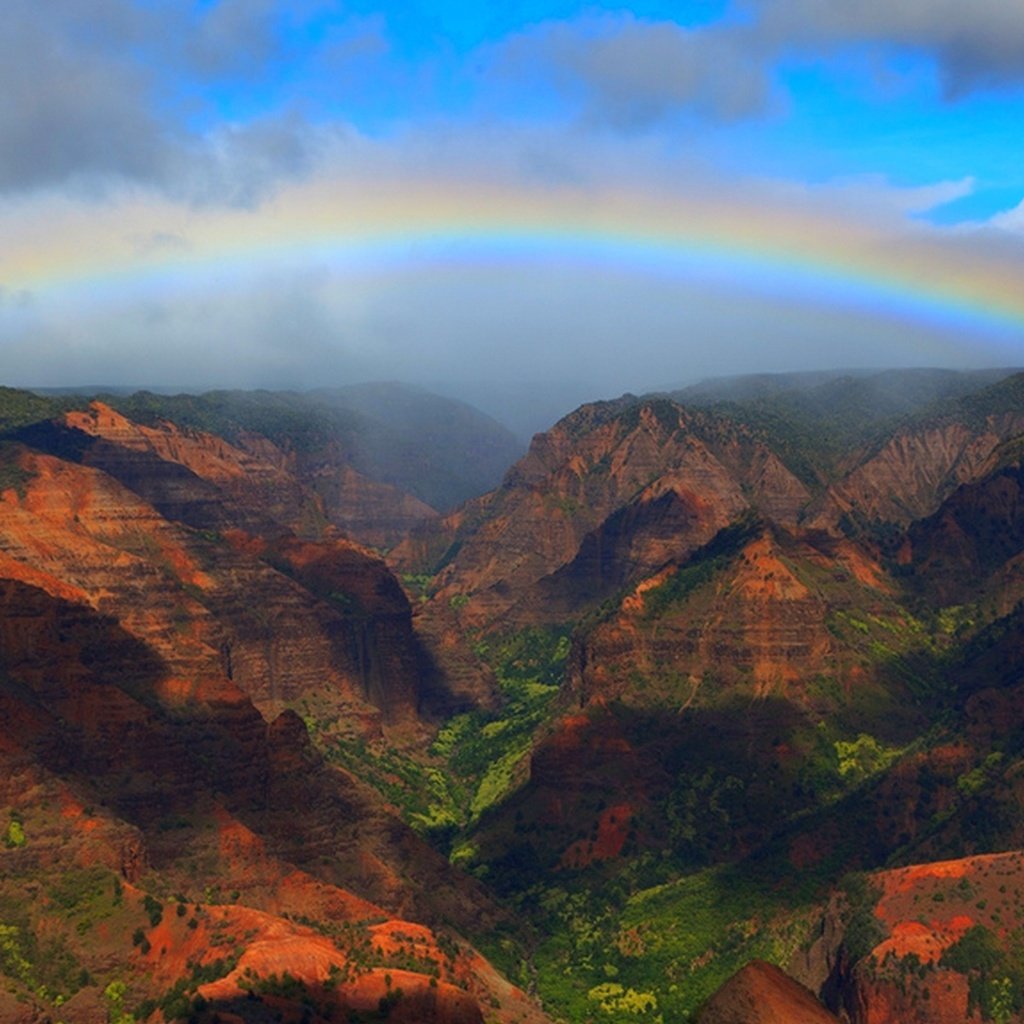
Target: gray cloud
x: 976, y: 44
x: 629, y: 73
x: 645, y: 72
x: 20, y: 298
x: 66, y: 109
x: 233, y: 37
x: 240, y: 164
x: 275, y: 331
x: 159, y: 242
x: 605, y: 331
x: 92, y: 98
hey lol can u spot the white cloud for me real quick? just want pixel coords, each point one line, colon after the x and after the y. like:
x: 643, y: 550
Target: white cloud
x: 1010, y: 220
x: 876, y: 197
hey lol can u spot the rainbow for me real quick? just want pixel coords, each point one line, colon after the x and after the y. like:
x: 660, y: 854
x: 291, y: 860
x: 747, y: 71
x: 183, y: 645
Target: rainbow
x: 352, y: 228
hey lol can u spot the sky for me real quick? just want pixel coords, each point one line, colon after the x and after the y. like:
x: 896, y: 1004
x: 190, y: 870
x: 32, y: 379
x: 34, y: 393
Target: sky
x: 498, y: 200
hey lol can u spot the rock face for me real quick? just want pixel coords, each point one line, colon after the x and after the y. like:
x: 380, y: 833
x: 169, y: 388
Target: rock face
x: 176, y: 559
x: 736, y: 642
x: 621, y: 505
x: 199, y: 478
x: 942, y: 943
x: 168, y: 466
x: 158, y: 630
x: 373, y: 513
x: 743, y: 618
x: 970, y: 548
x: 767, y: 680
x: 610, y: 494
x: 914, y: 472
x: 619, y: 490
x: 761, y: 993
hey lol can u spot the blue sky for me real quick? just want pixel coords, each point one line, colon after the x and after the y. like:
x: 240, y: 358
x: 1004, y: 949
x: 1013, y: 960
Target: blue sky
x: 157, y: 124
x: 877, y: 102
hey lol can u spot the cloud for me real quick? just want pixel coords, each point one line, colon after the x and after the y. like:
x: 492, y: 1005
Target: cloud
x: 90, y: 99
x: 1010, y: 220
x: 240, y: 164
x: 234, y: 38
x: 269, y: 331
x: 67, y: 109
x: 976, y: 44
x: 874, y: 197
x: 20, y: 298
x: 207, y: 297
x: 156, y: 242
x: 630, y: 73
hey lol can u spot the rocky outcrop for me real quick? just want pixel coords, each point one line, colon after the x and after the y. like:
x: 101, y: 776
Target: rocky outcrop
x: 761, y: 993
x: 378, y: 457
x: 752, y: 613
x: 941, y: 943
x: 969, y: 550
x: 164, y: 464
x: 611, y: 493
x: 618, y: 490
x: 331, y: 620
x: 370, y: 511
x: 913, y: 472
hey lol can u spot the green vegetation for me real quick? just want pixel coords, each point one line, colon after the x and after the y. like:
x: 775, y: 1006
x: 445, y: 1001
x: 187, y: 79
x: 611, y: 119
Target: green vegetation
x: 701, y: 830
x: 12, y: 475
x: 154, y: 910
x: 418, y: 585
x: 478, y: 758
x: 660, y: 951
x: 15, y: 835
x: 43, y: 966
x: 12, y: 959
x: 114, y: 994
x: 994, y: 970
x: 84, y: 896
x: 486, y: 750
x: 972, y: 782
x: 863, y: 757
x: 22, y: 408
x: 863, y: 929
x: 814, y: 420
x: 180, y: 1001
x: 702, y: 566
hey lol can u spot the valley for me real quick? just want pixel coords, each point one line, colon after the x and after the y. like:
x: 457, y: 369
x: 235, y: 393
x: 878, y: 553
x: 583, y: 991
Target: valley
x: 708, y: 707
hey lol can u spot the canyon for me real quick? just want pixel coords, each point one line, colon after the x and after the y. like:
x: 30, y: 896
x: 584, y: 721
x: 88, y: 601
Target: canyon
x: 709, y: 710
